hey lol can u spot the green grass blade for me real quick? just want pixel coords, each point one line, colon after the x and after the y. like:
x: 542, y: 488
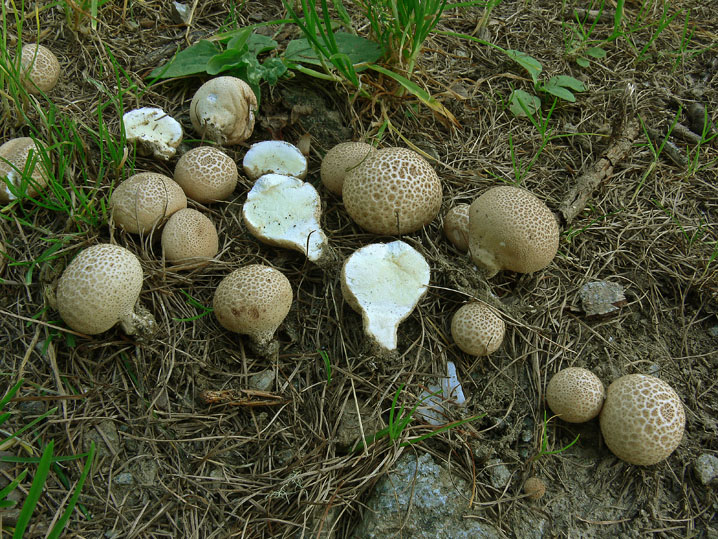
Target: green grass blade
x: 441, y: 429
x: 33, y: 495
x: 62, y: 521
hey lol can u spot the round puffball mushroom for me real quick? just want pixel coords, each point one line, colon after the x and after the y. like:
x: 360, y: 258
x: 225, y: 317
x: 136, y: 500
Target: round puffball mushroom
x: 223, y: 110
x: 394, y: 191
x: 575, y: 395
x: 254, y: 301
x: 15, y: 162
x: 511, y: 229
x: 477, y: 329
x: 274, y: 157
x: 384, y: 282
x: 155, y: 132
x: 456, y: 226
x: 534, y: 488
x: 642, y: 419
x: 40, y: 68
x: 142, y: 201
x: 189, y: 239
x: 206, y: 174
x: 100, y: 288
x: 340, y: 160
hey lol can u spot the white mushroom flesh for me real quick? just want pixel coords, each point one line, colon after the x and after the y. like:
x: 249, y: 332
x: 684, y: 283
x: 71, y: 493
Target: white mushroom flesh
x: 154, y: 131
x: 274, y: 157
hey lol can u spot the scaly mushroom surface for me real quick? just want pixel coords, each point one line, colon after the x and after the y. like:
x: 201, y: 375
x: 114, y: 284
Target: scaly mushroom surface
x: 340, y: 160
x: 40, y: 68
x: 21, y: 166
x: 477, y: 329
x: 575, y: 395
x: 206, y: 174
x: 189, y: 239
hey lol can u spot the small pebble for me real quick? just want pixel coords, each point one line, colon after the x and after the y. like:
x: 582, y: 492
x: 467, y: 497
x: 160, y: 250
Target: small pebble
x: 706, y: 467
x: 124, y: 478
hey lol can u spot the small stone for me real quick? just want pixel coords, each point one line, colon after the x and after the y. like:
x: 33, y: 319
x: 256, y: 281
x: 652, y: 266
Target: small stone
x: 262, y: 381
x: 706, y: 468
x: 600, y: 298
x: 124, y: 478
x: 180, y: 13
x: 499, y: 474
x: 713, y: 331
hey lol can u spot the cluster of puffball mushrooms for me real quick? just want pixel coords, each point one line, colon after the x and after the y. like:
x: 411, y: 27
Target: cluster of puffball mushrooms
x: 390, y: 191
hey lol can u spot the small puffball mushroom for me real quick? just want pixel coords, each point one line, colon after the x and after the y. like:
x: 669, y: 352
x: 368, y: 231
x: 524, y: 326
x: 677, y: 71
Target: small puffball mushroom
x: 40, y: 68
x: 274, y: 157
x: 223, y: 110
x: 340, y: 160
x: 534, y: 488
x: 511, y: 229
x: 254, y: 301
x: 477, y: 329
x: 642, y: 419
x: 394, y: 191
x: 206, y: 174
x: 155, y: 132
x: 384, y: 282
x: 15, y: 161
x: 456, y: 226
x: 142, y: 201
x: 575, y: 395
x: 189, y: 239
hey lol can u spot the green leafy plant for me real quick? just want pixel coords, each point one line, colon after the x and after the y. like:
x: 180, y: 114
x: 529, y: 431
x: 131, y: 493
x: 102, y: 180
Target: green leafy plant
x: 578, y: 39
x: 543, y: 449
x: 327, y: 364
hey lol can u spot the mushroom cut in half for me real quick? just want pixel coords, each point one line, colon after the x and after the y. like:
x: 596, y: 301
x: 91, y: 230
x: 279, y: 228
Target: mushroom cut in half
x: 223, y: 110
x: 274, y: 157
x: 154, y: 131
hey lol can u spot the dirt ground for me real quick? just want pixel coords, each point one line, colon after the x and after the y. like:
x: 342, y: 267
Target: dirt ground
x: 170, y: 465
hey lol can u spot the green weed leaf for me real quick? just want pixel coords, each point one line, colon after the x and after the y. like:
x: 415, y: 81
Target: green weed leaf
x: 596, y: 52
x: 523, y: 104
x: 561, y: 87
x: 227, y: 60
x: 529, y: 63
x: 583, y: 62
x: 357, y: 49
x: 191, y: 61
x: 258, y: 44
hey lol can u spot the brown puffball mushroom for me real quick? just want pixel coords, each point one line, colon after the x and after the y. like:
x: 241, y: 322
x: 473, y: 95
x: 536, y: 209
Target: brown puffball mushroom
x: 189, y: 239
x: 511, y: 229
x: 40, y: 68
x: 534, y: 488
x: 142, y: 201
x: 456, y: 226
x: 14, y: 156
x: 575, y: 395
x: 394, y: 191
x: 223, y: 110
x: 642, y: 419
x: 477, y: 329
x: 206, y: 174
x: 100, y: 288
x: 253, y: 301
x: 341, y: 159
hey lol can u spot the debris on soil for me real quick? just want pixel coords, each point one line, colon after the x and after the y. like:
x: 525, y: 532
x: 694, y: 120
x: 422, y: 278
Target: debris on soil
x: 706, y: 467
x: 600, y: 298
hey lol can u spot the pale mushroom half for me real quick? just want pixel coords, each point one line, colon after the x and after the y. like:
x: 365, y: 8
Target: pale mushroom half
x: 274, y: 157
x: 154, y: 131
x: 21, y: 168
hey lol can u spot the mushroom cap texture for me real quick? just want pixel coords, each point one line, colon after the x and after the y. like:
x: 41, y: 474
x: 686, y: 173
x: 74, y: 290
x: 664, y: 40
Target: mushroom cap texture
x: 99, y: 288
x: 143, y: 200
x: 13, y: 157
x: 456, y: 226
x: 511, y: 229
x: 40, y: 68
x: 206, y: 174
x: 223, y: 110
x: 253, y: 300
x: 534, y: 488
x: 187, y: 235
x: 477, y: 329
x: 575, y: 395
x: 339, y: 160
x: 642, y: 419
x: 394, y: 191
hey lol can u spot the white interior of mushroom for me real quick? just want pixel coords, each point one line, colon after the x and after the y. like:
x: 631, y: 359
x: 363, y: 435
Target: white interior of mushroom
x: 154, y: 130
x: 437, y: 398
x: 274, y: 157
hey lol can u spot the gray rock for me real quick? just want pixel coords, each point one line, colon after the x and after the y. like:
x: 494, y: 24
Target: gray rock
x: 124, y: 478
x: 601, y: 297
x: 706, y: 468
x: 499, y: 474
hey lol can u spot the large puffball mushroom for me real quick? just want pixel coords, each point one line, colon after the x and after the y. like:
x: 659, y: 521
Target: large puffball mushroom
x: 642, y: 419
x: 206, y: 174
x: 511, y: 229
x: 575, y: 395
x: 189, y: 239
x: 274, y: 157
x: 142, y: 201
x: 154, y: 131
x: 394, y: 191
x: 100, y: 288
x: 477, y: 330
x: 253, y: 301
x: 340, y: 160
x: 223, y: 110
x: 40, y: 68
x: 21, y: 165
x: 284, y: 211
x: 456, y: 226
x: 384, y: 282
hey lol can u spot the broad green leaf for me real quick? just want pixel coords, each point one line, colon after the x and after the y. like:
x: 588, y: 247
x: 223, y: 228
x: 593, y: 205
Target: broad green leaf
x: 358, y: 49
x: 583, y: 62
x: 567, y: 82
x: 257, y: 44
x: 529, y: 63
x: 596, y: 52
x: 239, y: 40
x: 190, y: 61
x: 227, y: 60
x: 559, y: 91
x: 272, y: 69
x: 523, y: 104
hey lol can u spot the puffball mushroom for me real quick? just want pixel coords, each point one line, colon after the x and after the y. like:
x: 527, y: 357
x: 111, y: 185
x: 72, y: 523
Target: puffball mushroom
x: 189, y: 239
x: 384, y: 282
x: 142, y: 201
x: 575, y: 395
x: 394, y: 191
x: 155, y: 132
x: 274, y: 157
x: 477, y: 330
x: 456, y: 226
x: 642, y: 419
x: 340, y: 160
x: 223, y: 110
x: 511, y: 229
x: 285, y: 211
x: 40, y: 68
x: 206, y: 174
x: 19, y: 168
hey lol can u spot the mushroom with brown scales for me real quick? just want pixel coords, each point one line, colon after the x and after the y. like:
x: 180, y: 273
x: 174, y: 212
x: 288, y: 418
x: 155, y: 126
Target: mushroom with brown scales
x: 456, y: 226
x: 223, y: 110
x: 340, y: 160
x: 40, y: 68
x: 21, y: 168
x: 189, y: 239
x: 206, y: 174
x: 575, y: 394
x: 477, y: 330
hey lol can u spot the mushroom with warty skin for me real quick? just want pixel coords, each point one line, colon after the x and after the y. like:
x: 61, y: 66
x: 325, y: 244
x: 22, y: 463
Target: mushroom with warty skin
x: 393, y: 191
x: 144, y: 200
x: 153, y: 130
x: 340, y: 160
x: 274, y: 157
x: 189, y: 239
x: 223, y: 110
x: 477, y: 330
x: 384, y: 282
x: 206, y: 174
x: 456, y: 226
x: 40, y: 68
x: 511, y: 229
x: 21, y: 166
x: 575, y: 395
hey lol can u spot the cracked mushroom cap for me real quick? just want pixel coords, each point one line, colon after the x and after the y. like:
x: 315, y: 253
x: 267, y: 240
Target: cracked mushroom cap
x: 189, y: 239
x: 477, y: 329
x: 642, y: 419
x: 40, y: 68
x: 341, y: 159
x: 575, y: 395
x: 511, y: 229
x: 394, y: 191
x: 223, y: 110
x: 456, y: 226
x: 142, y: 201
x: 206, y: 174
x: 14, y: 156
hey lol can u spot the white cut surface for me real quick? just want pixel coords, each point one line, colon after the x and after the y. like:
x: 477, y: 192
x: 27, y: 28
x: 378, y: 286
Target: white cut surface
x: 154, y: 130
x: 284, y: 211
x: 274, y: 157
x: 385, y: 281
x: 438, y: 398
